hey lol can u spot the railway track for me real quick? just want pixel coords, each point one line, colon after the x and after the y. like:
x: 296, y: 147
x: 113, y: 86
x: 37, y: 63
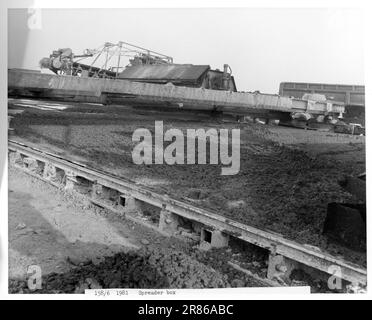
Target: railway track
x: 210, y: 229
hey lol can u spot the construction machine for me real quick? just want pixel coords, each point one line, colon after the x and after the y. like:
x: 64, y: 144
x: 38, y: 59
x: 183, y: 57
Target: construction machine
x: 143, y: 65
x: 65, y: 62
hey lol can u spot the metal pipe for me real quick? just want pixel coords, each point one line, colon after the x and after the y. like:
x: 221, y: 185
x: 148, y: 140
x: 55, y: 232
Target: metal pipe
x: 160, y: 54
x: 117, y: 70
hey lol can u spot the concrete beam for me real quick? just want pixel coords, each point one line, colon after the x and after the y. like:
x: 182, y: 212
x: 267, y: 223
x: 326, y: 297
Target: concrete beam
x: 213, y: 239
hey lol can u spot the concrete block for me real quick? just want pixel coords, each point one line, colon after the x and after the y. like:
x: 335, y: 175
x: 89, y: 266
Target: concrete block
x: 15, y: 158
x: 213, y: 239
x: 50, y: 171
x: 107, y: 193
x: 133, y: 205
x: 280, y: 268
x: 30, y: 163
x: 96, y: 190
x: 168, y: 222
x: 219, y: 239
x: 70, y: 182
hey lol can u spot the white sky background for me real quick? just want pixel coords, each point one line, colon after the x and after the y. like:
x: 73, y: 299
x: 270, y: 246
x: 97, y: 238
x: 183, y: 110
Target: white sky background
x: 263, y: 46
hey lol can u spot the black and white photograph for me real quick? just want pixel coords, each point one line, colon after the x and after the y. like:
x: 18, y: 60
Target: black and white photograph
x: 152, y: 150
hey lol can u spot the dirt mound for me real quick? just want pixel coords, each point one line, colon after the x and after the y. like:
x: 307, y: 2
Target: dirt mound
x: 286, y: 179
x: 147, y: 268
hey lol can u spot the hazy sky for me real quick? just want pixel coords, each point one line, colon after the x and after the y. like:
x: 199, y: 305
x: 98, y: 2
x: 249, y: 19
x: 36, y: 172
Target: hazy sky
x: 263, y: 46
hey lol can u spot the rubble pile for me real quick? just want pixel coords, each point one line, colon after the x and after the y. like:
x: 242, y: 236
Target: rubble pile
x: 147, y: 268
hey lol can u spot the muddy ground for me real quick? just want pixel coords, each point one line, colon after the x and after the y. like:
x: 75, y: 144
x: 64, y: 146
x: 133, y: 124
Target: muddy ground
x: 287, y: 176
x: 79, y: 246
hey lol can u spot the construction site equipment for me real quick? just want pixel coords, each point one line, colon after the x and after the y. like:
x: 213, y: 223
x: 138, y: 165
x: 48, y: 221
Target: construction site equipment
x: 350, y: 95
x: 305, y: 120
x: 351, y: 128
x: 186, y: 75
x: 346, y: 222
x: 144, y: 65
x: 106, y: 60
x: 152, y: 79
x: 70, y: 88
x: 322, y: 122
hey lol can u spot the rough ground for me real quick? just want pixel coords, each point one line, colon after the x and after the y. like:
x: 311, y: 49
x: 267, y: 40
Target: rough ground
x: 79, y: 246
x: 287, y: 176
